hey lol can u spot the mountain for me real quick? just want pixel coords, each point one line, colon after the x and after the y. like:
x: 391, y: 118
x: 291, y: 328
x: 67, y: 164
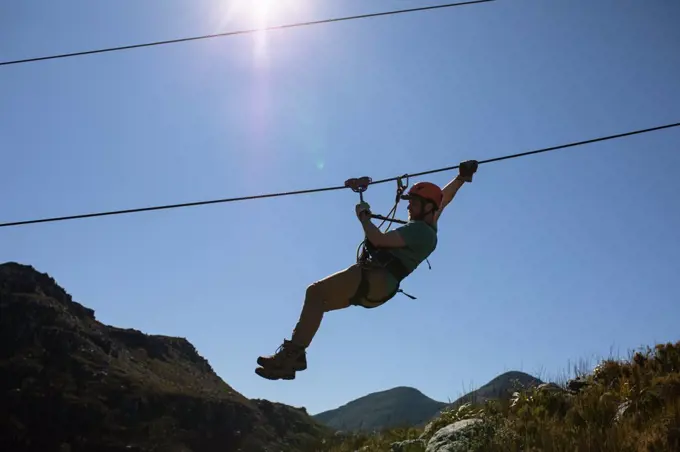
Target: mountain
x: 396, y: 407
x: 501, y: 386
x: 69, y: 383
x: 405, y: 406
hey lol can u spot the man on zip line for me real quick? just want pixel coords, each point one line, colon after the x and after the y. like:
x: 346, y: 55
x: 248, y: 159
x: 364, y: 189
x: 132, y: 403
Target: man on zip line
x: 389, y: 258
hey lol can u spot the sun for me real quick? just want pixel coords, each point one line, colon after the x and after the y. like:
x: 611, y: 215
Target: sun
x: 262, y: 10
x: 258, y: 15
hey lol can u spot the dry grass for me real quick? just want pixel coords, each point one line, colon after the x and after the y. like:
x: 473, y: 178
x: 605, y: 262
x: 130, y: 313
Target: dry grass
x: 630, y: 405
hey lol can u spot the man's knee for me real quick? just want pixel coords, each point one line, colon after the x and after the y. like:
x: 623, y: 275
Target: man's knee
x: 314, y: 291
x: 315, y: 296
x: 334, y: 291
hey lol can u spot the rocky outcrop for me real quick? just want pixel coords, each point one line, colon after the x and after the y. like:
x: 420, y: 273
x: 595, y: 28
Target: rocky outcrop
x: 457, y: 437
x: 69, y: 382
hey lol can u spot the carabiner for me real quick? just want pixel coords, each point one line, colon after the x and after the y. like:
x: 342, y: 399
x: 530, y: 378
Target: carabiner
x: 400, y: 183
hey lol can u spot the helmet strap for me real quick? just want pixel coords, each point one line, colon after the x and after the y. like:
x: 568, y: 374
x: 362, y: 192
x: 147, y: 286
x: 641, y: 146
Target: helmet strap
x: 423, y: 204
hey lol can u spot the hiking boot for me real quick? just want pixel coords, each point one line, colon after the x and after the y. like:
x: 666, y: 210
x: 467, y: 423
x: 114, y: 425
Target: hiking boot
x: 288, y: 356
x: 276, y: 373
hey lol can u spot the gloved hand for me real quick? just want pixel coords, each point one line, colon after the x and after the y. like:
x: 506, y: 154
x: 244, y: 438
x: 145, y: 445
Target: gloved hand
x: 466, y: 169
x: 363, y: 209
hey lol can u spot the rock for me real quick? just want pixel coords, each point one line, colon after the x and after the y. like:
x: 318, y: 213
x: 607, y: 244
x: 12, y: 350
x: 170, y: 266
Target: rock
x: 623, y: 407
x: 427, y: 430
x: 411, y: 445
x: 550, y: 387
x: 577, y: 384
x: 453, y: 437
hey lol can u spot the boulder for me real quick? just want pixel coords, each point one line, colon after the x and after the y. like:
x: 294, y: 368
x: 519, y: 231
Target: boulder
x: 455, y: 437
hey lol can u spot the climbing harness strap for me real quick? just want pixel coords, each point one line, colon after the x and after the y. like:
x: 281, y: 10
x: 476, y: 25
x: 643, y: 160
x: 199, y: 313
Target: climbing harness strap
x: 371, y: 257
x: 388, y: 261
x: 361, y: 294
x: 363, y: 288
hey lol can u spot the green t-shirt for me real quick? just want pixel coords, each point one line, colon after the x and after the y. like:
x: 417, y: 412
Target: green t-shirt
x: 421, y: 241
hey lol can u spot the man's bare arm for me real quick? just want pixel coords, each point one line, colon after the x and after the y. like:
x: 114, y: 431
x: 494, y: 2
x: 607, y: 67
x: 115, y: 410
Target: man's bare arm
x: 449, y: 192
x: 391, y: 239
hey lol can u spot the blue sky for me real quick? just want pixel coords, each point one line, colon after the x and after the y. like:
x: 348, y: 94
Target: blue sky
x: 542, y: 261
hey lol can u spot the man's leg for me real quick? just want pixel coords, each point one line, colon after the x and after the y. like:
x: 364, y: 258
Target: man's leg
x: 331, y: 293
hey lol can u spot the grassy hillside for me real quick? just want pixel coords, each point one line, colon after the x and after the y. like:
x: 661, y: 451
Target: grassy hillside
x: 630, y: 405
x: 71, y: 383
x: 407, y: 407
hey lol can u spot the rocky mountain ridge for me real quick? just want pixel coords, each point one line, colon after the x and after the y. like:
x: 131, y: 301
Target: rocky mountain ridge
x: 70, y: 383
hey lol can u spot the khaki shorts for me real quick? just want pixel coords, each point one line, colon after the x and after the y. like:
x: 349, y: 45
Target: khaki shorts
x: 379, y: 286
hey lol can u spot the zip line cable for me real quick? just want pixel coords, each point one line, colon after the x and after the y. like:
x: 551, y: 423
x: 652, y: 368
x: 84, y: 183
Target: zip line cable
x: 339, y: 187
x: 538, y: 151
x: 241, y: 32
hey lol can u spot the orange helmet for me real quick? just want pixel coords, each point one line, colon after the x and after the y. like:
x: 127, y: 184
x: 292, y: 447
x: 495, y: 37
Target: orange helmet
x: 427, y: 191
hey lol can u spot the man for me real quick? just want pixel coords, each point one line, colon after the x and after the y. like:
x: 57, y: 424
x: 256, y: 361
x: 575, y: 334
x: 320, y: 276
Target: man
x: 393, y: 256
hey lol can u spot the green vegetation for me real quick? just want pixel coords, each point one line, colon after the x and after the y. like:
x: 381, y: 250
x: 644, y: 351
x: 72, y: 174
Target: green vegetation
x: 628, y: 405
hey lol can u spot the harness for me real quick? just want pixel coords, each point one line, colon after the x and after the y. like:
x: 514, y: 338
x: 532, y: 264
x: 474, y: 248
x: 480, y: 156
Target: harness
x: 369, y: 256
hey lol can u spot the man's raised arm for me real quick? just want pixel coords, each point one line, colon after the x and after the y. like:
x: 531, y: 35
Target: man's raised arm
x: 465, y: 172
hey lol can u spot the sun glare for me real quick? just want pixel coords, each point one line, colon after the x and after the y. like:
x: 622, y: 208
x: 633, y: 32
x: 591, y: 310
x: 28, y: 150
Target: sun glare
x: 259, y: 14
x: 261, y: 9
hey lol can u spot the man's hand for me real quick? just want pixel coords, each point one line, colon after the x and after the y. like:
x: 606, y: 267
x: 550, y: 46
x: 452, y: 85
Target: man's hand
x: 466, y: 169
x: 363, y: 211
